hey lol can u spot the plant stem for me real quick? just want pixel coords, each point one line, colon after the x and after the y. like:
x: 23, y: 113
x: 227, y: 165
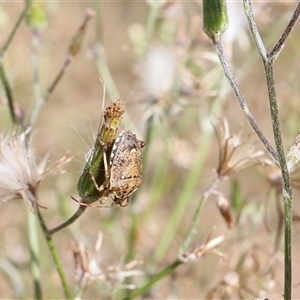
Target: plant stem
x: 280, y: 44
x: 8, y: 93
x: 54, y: 254
x: 286, y: 188
x: 227, y: 70
x: 71, y: 220
x: 268, y: 61
x: 4, y: 49
x: 155, y: 279
x: 34, y: 252
x: 38, y: 100
x: 58, y: 77
x: 192, y: 229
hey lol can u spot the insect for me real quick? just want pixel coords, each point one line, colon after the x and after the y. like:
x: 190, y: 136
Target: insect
x: 123, y: 170
x: 125, y: 167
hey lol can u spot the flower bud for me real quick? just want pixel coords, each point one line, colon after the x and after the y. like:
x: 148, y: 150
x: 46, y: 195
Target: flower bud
x: 36, y: 17
x: 215, y: 19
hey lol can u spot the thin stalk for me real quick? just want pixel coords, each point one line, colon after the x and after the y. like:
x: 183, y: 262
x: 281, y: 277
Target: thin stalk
x: 280, y: 44
x: 286, y: 183
x: 286, y: 187
x: 8, y: 93
x: 102, y: 66
x: 58, y: 77
x: 168, y: 270
x: 59, y: 267
x: 105, y: 74
x: 74, y: 48
x: 228, y: 73
x: 254, y: 31
x: 81, y: 209
x: 196, y: 217
x: 35, y: 254
x: 38, y: 100
x: 151, y: 20
x: 13, y: 274
x: 4, y: 49
x: 54, y: 255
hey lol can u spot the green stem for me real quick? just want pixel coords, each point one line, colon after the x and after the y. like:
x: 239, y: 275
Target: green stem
x: 196, y: 217
x: 253, y: 29
x: 4, y: 49
x: 105, y: 73
x: 286, y: 188
x: 286, y: 183
x: 280, y: 44
x: 227, y: 70
x: 108, y: 80
x: 59, y: 267
x: 34, y: 252
x: 151, y: 20
x: 76, y: 215
x: 54, y: 255
x: 8, y: 93
x: 38, y: 101
x: 58, y: 77
x: 168, y: 270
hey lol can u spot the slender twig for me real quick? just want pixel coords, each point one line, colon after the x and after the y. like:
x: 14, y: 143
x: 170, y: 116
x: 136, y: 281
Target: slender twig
x: 286, y: 187
x: 71, y: 220
x: 54, y: 254
x: 280, y: 44
x: 286, y: 183
x: 34, y: 252
x: 38, y: 100
x: 254, y: 31
x: 74, y: 48
x: 155, y: 279
x: 8, y: 93
x: 58, y: 77
x: 226, y: 67
x: 197, y: 214
x: 4, y: 49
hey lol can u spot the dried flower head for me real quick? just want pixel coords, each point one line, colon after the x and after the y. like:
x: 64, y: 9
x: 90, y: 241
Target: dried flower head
x: 20, y: 172
x: 245, y: 277
x: 235, y: 154
x: 209, y: 247
x: 89, y: 269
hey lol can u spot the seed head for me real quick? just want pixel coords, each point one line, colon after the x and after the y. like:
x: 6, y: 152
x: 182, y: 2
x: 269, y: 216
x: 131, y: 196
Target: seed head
x: 235, y: 153
x: 20, y: 171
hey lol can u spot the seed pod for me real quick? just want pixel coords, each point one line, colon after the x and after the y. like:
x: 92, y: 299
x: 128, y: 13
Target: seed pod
x: 224, y: 209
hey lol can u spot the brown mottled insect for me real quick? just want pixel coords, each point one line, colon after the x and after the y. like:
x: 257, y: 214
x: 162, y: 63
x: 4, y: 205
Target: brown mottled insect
x: 125, y: 167
x: 123, y: 170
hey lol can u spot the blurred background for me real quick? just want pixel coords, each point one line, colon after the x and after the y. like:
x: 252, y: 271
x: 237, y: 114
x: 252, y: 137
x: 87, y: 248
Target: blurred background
x: 157, y: 57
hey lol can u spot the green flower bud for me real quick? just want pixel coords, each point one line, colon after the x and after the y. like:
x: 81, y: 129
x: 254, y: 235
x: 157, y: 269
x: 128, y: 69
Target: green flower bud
x: 36, y: 17
x: 215, y: 18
